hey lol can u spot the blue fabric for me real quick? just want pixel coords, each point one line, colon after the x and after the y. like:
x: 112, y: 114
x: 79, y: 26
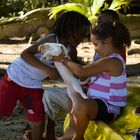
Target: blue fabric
x: 96, y: 57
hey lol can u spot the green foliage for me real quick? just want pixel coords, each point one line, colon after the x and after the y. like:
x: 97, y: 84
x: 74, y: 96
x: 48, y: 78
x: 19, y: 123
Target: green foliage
x: 68, y: 7
x: 9, y: 8
x: 33, y: 4
x: 118, y: 4
x: 89, y: 8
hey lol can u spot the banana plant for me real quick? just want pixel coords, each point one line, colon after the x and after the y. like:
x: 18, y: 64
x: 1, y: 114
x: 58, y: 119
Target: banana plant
x: 89, y: 8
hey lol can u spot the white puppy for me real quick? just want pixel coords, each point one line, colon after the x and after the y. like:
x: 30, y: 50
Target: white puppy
x: 72, y: 83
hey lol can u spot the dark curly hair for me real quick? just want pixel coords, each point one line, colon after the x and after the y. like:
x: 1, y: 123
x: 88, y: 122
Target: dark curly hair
x: 73, y: 27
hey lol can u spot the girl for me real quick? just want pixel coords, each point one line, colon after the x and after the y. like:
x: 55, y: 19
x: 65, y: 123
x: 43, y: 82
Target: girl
x: 22, y: 80
x: 107, y: 88
x: 58, y: 96
x: 105, y: 17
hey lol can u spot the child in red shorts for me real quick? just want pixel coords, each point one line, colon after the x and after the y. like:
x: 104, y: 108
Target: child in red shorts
x: 23, y: 78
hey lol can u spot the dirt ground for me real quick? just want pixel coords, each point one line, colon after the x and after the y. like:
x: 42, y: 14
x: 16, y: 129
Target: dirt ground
x: 13, y: 127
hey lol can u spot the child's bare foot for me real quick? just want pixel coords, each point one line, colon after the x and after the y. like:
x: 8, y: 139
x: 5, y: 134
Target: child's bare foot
x: 44, y: 136
x: 27, y: 135
x: 49, y: 137
x: 68, y: 135
x: 65, y: 137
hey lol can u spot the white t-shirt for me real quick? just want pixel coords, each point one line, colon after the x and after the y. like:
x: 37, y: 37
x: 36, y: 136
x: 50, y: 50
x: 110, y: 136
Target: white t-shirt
x: 27, y: 75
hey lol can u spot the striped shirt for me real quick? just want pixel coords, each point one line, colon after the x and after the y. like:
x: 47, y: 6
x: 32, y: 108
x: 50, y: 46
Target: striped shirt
x: 111, y: 90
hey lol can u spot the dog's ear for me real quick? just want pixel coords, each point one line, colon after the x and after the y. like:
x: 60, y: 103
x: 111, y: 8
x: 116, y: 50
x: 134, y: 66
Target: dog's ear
x: 44, y: 48
x: 40, y: 48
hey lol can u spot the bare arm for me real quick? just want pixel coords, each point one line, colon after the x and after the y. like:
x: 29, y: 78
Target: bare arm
x: 111, y: 65
x: 29, y: 56
x: 83, y: 71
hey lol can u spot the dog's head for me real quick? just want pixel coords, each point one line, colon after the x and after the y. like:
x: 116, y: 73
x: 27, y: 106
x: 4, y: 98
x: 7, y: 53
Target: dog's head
x: 52, y: 49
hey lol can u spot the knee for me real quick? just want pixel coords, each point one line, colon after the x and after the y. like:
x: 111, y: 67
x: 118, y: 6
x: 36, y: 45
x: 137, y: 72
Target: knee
x: 80, y: 111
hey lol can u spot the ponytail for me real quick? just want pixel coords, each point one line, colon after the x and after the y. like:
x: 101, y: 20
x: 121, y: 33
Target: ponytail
x: 116, y: 30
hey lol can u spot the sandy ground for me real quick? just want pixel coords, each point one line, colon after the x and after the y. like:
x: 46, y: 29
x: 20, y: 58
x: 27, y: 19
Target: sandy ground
x: 13, y: 127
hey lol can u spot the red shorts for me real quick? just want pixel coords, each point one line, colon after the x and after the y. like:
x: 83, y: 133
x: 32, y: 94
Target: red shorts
x: 31, y: 99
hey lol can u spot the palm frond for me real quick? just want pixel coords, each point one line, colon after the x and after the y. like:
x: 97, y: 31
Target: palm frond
x: 117, y: 4
x: 68, y: 7
x: 89, y: 8
x: 96, y: 5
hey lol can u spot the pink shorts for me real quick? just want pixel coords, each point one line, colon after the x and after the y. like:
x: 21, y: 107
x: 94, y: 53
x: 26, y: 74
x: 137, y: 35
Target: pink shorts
x: 30, y: 99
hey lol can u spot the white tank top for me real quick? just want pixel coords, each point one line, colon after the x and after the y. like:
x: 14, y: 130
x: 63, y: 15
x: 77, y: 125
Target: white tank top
x: 27, y: 75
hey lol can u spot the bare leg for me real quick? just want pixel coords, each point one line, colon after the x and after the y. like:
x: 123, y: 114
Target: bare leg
x: 50, y: 130
x: 84, y: 111
x: 27, y: 135
x: 37, y: 130
x: 81, y: 125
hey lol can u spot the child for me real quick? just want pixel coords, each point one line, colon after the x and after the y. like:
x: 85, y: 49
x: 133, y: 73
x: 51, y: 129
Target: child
x: 23, y: 79
x: 58, y: 96
x: 105, y: 17
x: 107, y: 88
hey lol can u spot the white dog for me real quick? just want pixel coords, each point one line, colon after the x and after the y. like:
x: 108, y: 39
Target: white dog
x: 72, y: 83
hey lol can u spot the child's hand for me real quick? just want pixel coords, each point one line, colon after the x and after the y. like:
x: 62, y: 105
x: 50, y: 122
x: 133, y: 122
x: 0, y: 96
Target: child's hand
x: 52, y: 73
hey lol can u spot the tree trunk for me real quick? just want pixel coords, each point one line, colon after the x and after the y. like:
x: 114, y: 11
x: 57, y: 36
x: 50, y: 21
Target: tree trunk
x: 133, y: 24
